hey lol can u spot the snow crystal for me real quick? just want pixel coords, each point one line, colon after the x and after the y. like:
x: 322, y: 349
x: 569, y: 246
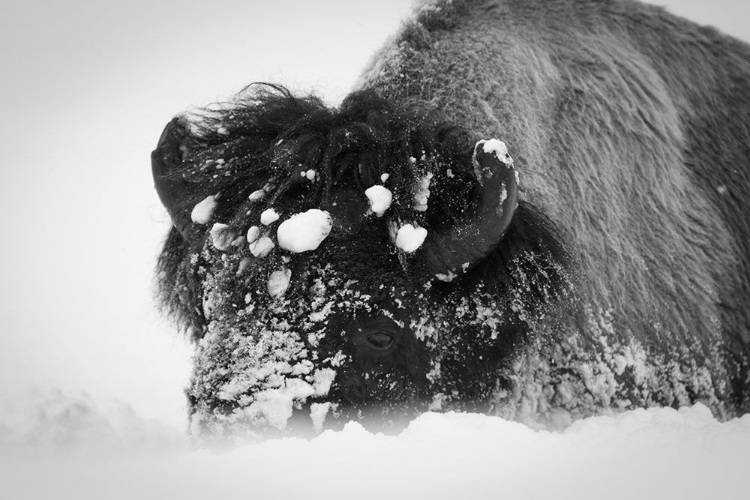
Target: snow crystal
x: 410, y: 237
x: 204, y: 210
x: 221, y: 236
x: 256, y: 195
x: 422, y: 195
x: 261, y: 247
x: 268, y: 217
x: 278, y: 282
x: 380, y: 199
x: 304, y: 231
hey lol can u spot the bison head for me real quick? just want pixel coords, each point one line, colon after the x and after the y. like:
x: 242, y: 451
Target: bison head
x: 368, y: 262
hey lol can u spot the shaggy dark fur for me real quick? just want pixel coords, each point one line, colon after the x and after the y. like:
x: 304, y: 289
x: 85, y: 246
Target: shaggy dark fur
x: 630, y: 129
x: 268, y: 133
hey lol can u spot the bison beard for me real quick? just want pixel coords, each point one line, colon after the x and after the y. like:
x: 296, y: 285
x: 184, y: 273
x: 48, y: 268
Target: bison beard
x: 444, y: 288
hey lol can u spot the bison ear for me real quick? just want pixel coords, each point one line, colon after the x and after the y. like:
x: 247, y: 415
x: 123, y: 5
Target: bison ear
x: 459, y: 247
x: 174, y: 191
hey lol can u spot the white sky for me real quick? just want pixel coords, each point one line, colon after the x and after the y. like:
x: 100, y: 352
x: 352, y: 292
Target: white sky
x: 86, y: 87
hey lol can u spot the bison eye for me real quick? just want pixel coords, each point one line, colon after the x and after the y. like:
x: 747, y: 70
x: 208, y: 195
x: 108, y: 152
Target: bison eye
x: 377, y: 336
x: 380, y: 341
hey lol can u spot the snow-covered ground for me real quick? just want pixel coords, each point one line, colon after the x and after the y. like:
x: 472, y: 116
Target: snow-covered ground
x: 87, y: 87
x: 61, y: 446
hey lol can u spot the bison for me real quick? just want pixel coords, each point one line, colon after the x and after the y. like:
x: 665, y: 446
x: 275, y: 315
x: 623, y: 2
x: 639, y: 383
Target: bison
x: 535, y: 209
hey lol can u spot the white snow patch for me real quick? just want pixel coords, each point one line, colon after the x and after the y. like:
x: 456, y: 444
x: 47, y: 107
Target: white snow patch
x: 384, y: 177
x: 261, y: 247
x: 51, y: 422
x: 304, y: 231
x: 318, y: 412
x: 410, y: 237
x: 256, y: 195
x: 278, y: 282
x: 221, y: 236
x: 203, y: 211
x: 380, y: 199
x: 310, y: 174
x: 499, y: 148
x: 683, y: 454
x: 437, y: 402
x: 323, y: 380
x: 253, y: 233
x: 422, y: 194
x: 268, y: 217
x: 276, y: 405
x: 446, y: 277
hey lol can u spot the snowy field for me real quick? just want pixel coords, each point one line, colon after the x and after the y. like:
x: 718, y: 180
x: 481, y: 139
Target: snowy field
x: 91, y: 378
x: 58, y: 446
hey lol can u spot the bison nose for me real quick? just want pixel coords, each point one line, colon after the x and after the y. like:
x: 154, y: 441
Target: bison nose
x: 380, y: 341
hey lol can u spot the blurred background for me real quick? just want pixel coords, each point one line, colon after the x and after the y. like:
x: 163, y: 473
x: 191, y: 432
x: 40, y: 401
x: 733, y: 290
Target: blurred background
x: 86, y: 88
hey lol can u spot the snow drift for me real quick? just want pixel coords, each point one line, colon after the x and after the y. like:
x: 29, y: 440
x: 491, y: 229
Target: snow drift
x: 55, y: 445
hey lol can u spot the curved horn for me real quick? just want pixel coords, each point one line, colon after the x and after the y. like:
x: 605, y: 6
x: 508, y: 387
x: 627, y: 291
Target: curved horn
x: 464, y: 245
x: 173, y: 192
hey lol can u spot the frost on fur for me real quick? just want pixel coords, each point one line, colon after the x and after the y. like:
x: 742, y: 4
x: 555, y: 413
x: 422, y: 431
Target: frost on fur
x: 377, y: 260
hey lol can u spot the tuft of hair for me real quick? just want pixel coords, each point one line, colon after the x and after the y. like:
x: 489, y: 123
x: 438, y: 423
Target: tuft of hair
x: 267, y: 137
x: 269, y: 134
x: 532, y: 260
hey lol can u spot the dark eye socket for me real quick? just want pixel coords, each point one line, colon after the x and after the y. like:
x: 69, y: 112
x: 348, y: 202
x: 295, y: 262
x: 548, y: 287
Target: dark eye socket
x: 380, y: 341
x: 378, y: 335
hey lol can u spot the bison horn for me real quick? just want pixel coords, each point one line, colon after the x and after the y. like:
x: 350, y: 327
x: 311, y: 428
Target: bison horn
x: 174, y: 193
x: 445, y: 253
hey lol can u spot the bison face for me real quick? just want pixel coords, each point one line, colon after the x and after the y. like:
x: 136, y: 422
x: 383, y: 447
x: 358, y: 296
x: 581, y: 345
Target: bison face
x: 342, y: 342
x: 364, y: 263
